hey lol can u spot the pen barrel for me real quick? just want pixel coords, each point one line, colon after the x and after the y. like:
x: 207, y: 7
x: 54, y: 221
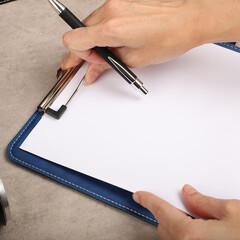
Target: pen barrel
x: 116, y: 64
x: 71, y: 19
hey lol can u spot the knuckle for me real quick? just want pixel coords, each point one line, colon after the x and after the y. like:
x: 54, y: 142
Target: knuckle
x: 134, y: 61
x: 111, y: 5
x: 66, y: 39
x: 130, y: 64
x: 112, y: 26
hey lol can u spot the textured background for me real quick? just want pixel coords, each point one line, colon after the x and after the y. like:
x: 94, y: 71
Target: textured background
x: 31, y: 50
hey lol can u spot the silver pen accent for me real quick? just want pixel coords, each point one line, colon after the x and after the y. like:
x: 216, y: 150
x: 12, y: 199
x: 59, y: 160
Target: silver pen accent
x: 57, y: 6
x: 135, y: 82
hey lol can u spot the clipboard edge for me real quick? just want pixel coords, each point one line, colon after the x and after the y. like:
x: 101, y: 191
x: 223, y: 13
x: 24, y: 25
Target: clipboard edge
x: 31, y: 123
x: 229, y: 46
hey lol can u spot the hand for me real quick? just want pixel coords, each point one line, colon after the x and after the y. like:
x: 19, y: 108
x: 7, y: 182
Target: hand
x: 222, y: 216
x: 148, y: 32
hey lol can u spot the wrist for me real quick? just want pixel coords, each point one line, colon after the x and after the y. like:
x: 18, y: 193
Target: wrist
x: 219, y: 21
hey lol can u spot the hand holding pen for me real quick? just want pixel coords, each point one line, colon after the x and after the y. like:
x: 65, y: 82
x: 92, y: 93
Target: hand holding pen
x: 102, y: 51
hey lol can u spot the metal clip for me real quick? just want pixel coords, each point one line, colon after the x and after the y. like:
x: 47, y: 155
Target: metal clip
x: 64, y: 77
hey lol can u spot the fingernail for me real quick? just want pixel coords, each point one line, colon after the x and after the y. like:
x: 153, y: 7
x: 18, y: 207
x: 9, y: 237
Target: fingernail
x: 63, y: 62
x: 136, y: 197
x: 92, y: 76
x: 189, y: 189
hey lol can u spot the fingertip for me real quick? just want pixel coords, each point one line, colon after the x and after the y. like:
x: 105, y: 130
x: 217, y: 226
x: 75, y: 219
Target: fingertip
x: 135, y: 197
x: 143, y: 198
x: 94, y: 71
x: 202, y: 205
x: 70, y: 61
x: 91, y: 76
x: 63, y: 63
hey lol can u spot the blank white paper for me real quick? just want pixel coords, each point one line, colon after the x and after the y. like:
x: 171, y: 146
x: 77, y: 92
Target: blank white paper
x: 186, y: 130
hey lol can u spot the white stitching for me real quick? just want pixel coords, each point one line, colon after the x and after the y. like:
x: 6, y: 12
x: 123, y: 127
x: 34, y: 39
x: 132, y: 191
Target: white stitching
x: 75, y: 185
x: 230, y: 45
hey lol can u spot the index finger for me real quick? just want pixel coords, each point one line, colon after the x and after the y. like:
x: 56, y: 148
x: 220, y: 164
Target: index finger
x: 82, y: 39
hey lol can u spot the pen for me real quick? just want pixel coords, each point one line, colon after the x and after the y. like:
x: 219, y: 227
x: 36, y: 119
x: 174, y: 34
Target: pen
x: 107, y: 55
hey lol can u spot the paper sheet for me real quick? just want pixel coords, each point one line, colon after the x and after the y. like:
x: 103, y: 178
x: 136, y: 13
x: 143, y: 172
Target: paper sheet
x: 186, y: 130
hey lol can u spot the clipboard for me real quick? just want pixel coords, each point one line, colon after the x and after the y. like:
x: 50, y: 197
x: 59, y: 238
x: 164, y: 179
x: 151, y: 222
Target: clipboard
x: 93, y: 187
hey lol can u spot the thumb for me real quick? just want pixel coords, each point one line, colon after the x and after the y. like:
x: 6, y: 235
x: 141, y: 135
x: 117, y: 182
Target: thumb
x: 94, y: 71
x: 201, y: 205
x: 166, y: 214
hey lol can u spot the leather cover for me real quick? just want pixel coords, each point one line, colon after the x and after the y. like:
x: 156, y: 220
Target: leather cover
x: 105, y: 192
x: 100, y: 190
x: 229, y: 46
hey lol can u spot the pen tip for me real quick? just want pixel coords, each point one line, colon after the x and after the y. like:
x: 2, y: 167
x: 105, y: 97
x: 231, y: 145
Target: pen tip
x: 143, y: 90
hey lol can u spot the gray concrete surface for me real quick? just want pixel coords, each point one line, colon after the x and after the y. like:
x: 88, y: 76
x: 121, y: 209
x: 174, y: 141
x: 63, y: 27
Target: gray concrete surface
x: 31, y: 50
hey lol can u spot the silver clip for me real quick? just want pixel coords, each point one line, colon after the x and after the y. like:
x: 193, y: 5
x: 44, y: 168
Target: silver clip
x: 64, y: 77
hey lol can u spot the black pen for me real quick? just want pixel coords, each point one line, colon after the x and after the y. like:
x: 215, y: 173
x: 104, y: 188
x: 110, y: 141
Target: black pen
x: 107, y: 55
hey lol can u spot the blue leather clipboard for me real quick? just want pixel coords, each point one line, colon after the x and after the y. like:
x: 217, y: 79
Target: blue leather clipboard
x: 100, y: 190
